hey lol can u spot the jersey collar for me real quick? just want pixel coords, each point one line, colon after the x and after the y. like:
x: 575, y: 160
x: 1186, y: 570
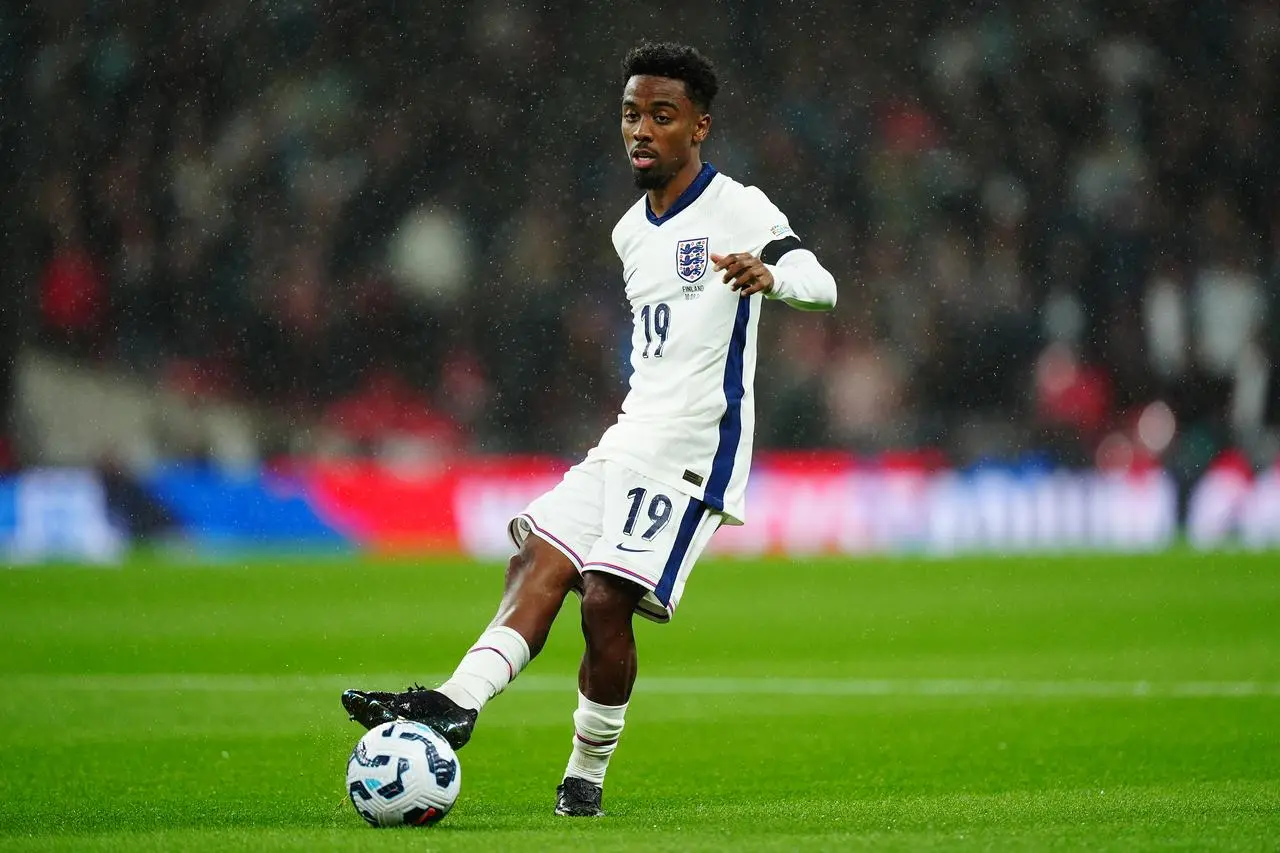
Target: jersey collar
x: 688, y: 197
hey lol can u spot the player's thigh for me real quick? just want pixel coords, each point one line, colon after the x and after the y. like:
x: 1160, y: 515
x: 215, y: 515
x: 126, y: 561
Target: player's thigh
x: 567, y: 518
x: 540, y: 569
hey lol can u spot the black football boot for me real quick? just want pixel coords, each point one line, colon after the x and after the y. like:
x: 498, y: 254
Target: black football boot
x: 578, y: 798
x: 429, y: 707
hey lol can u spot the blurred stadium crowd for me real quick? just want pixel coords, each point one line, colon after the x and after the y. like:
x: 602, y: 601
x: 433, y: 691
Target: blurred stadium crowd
x: 1054, y: 226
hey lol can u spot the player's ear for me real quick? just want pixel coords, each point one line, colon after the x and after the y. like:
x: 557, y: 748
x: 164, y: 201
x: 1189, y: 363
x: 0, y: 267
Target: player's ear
x: 702, y: 130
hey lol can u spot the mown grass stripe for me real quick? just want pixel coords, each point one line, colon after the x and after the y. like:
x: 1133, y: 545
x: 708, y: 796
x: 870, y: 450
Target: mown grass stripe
x: 1071, y: 689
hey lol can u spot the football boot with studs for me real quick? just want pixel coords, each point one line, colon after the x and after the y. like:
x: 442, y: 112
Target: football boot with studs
x: 578, y: 798
x: 430, y: 707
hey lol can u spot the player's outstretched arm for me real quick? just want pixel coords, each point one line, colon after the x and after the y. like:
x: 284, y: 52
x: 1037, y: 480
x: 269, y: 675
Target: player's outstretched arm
x: 797, y: 279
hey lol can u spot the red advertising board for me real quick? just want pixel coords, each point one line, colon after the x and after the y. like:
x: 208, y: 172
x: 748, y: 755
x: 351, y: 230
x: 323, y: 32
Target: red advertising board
x: 797, y: 504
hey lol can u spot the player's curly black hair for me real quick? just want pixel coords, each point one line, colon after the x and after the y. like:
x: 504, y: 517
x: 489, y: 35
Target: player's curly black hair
x: 677, y: 61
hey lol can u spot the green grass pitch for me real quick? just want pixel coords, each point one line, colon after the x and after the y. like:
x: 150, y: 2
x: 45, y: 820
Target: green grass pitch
x: 1083, y: 702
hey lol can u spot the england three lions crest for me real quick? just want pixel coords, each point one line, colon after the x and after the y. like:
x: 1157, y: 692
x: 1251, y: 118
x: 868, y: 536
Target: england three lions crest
x: 691, y: 258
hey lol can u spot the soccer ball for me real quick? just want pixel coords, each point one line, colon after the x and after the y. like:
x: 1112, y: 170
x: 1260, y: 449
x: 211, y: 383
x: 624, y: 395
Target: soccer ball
x: 403, y: 774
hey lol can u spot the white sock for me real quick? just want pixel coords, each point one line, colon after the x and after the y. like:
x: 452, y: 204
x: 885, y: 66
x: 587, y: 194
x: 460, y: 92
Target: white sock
x: 596, y: 729
x: 491, y: 664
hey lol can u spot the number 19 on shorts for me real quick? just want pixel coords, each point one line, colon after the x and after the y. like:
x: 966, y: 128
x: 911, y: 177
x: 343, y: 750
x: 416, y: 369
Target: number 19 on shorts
x: 658, y: 510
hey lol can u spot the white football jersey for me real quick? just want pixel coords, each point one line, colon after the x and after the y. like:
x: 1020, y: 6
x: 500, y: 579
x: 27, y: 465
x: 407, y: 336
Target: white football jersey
x: 689, y: 418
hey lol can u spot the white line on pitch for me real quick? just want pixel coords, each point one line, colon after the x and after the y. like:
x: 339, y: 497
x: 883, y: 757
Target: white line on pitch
x: 671, y: 685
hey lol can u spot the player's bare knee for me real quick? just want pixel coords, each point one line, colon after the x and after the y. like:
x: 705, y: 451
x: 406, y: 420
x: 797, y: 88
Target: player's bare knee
x: 540, y: 569
x: 607, y: 602
x: 519, y: 565
x: 525, y: 561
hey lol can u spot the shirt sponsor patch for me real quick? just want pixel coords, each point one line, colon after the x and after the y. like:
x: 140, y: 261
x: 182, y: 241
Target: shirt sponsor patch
x: 779, y: 231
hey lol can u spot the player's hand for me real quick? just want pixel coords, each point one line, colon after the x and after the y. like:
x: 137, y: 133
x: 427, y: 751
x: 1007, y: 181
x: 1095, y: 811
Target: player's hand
x: 744, y: 272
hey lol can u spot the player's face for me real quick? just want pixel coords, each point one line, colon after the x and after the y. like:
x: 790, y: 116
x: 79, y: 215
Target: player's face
x: 660, y: 128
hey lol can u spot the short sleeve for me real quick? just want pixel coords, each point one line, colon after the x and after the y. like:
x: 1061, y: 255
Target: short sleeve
x: 762, y: 222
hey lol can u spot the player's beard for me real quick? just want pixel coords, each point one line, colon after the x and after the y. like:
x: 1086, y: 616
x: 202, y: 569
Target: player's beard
x: 652, y: 178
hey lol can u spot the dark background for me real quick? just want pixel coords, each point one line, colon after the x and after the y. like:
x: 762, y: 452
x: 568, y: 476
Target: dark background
x: 1055, y: 227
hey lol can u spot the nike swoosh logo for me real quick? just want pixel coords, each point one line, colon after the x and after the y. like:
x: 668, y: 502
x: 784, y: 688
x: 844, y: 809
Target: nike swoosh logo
x: 622, y: 547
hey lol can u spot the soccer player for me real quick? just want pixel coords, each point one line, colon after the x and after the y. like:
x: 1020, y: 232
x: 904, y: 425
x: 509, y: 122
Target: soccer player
x: 700, y: 253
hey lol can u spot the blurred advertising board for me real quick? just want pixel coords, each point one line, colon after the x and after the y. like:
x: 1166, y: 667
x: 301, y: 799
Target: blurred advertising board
x: 1231, y: 506
x: 57, y: 514
x: 834, y: 505
x: 825, y: 503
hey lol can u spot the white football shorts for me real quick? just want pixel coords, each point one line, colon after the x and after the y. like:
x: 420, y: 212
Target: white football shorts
x: 605, y: 517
